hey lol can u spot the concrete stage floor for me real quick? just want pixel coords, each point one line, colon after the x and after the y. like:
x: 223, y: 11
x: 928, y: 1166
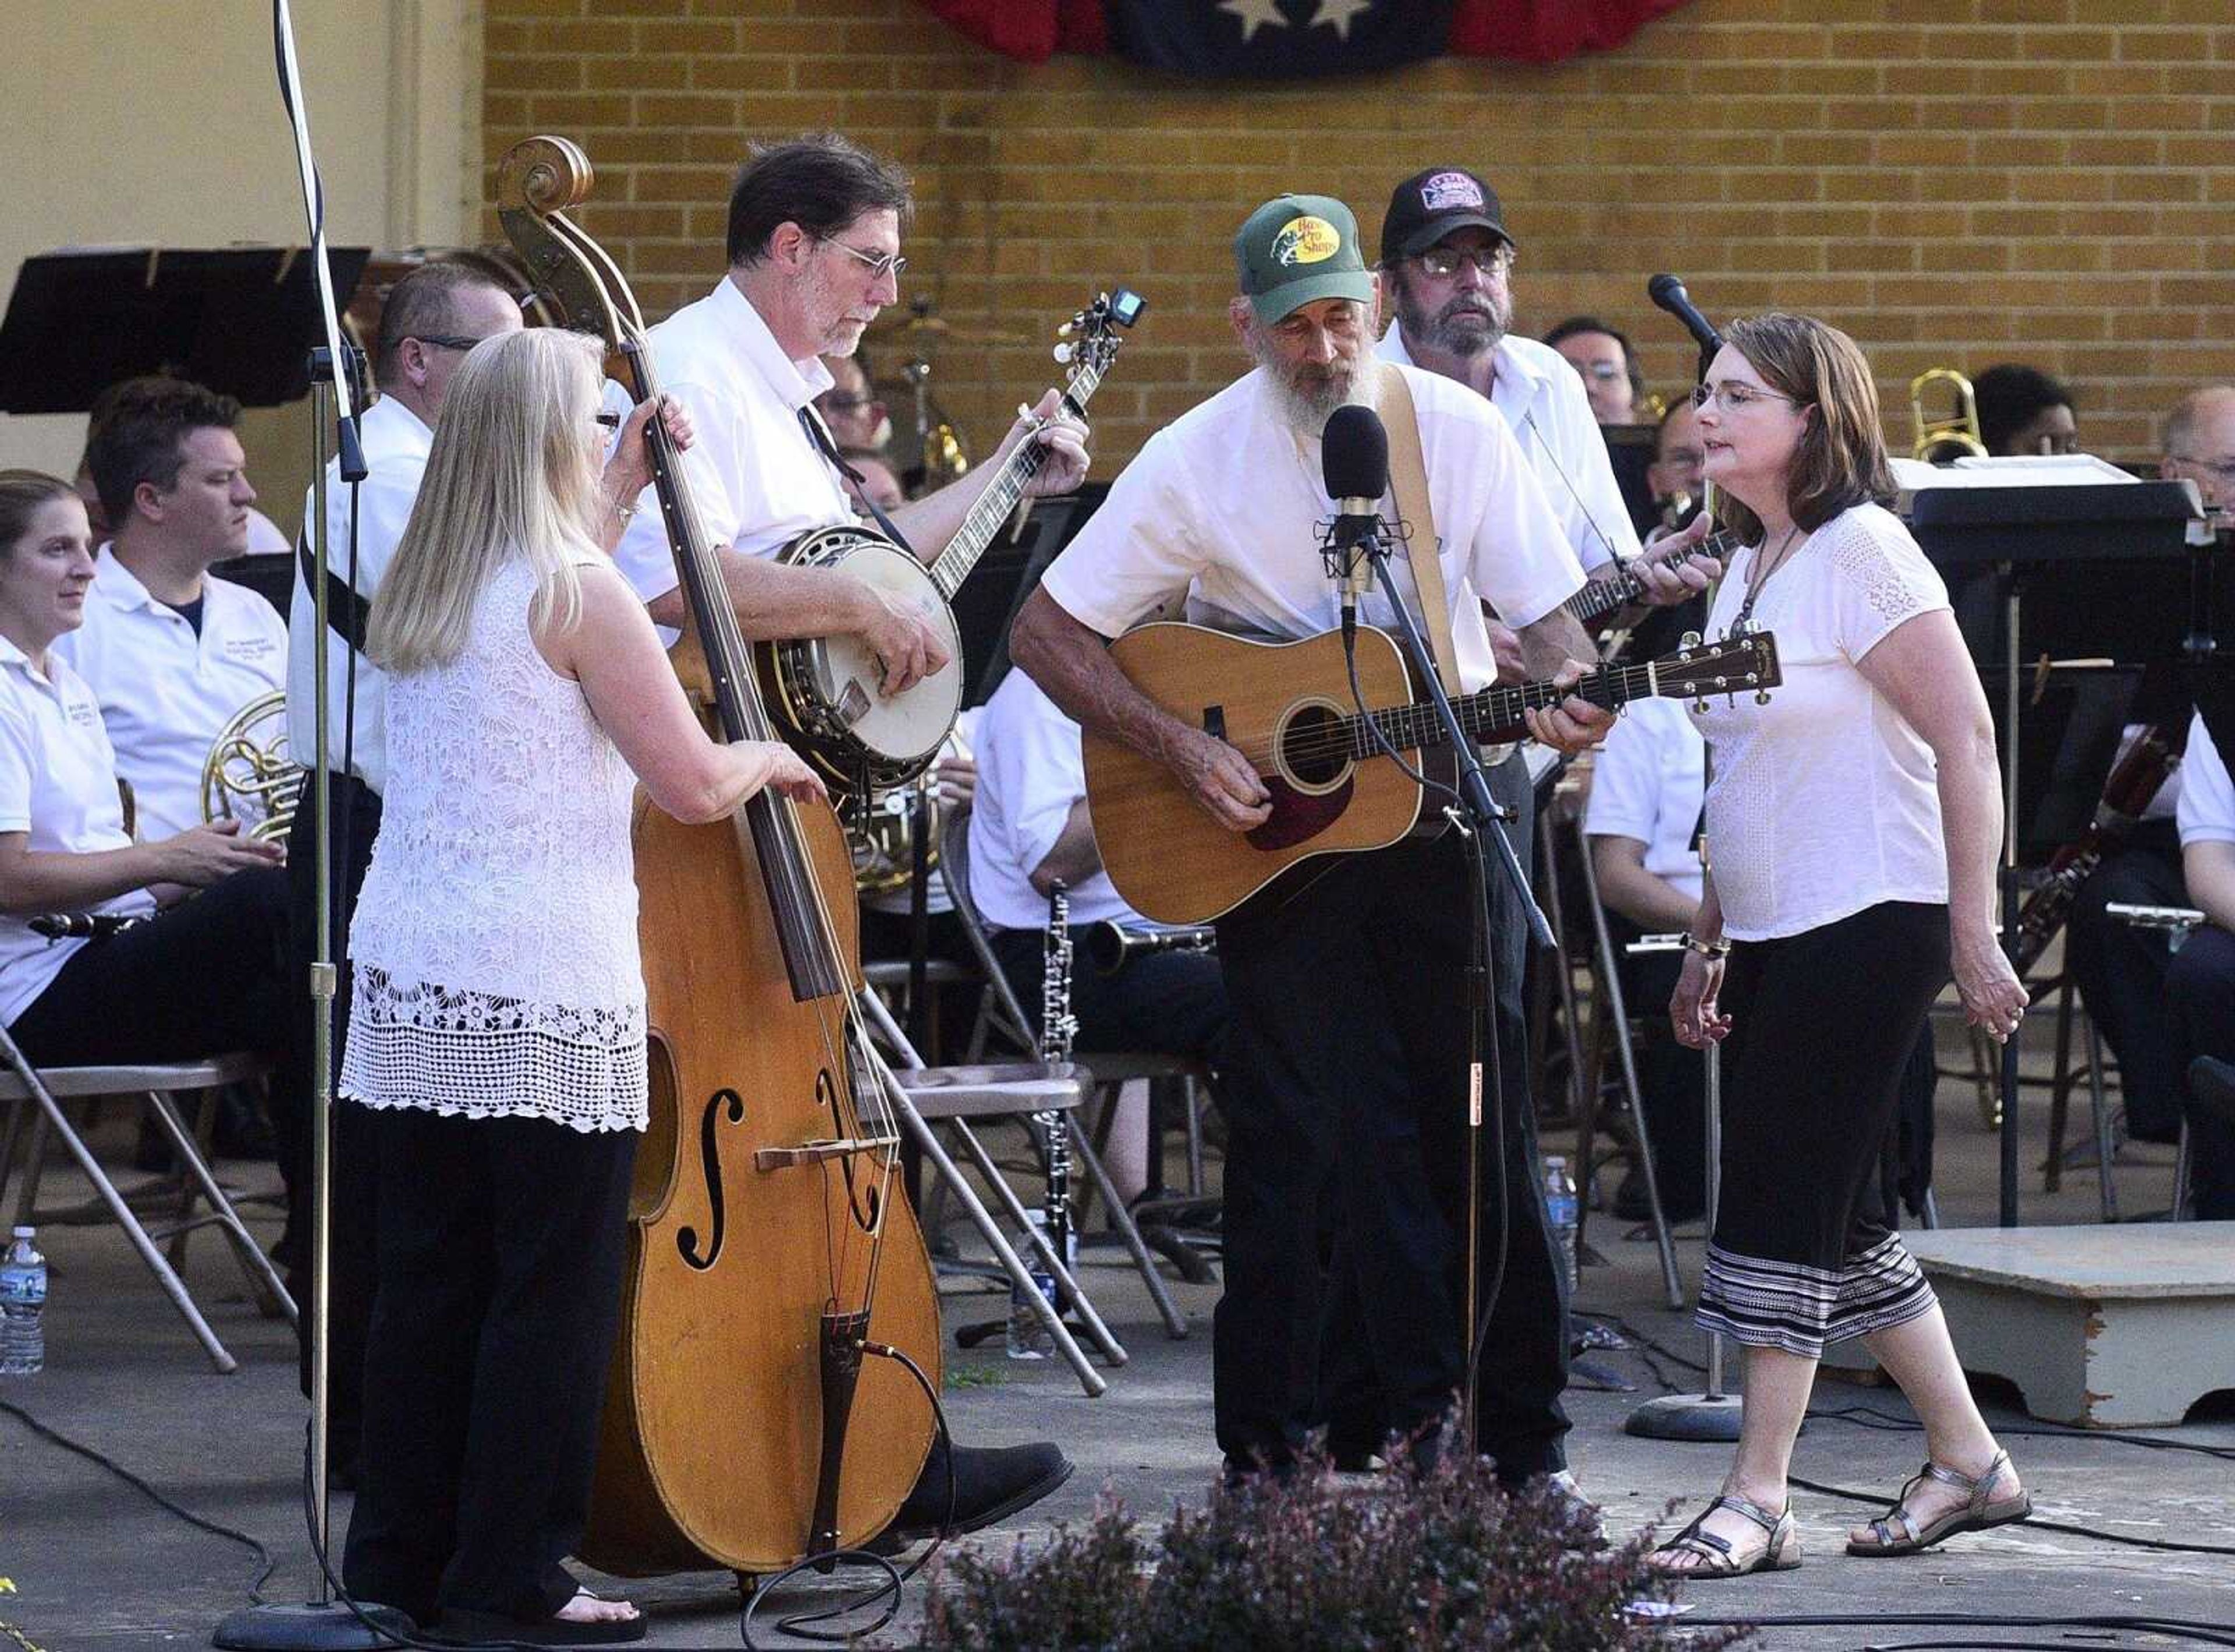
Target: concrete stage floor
x: 91, y: 1565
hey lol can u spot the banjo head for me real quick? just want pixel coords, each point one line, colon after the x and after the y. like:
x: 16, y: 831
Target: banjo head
x: 830, y: 683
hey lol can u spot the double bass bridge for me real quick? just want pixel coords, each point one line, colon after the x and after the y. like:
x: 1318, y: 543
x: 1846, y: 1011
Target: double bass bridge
x: 786, y: 1158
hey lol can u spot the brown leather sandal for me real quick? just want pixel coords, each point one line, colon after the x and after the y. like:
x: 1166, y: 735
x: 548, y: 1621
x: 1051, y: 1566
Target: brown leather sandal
x: 1897, y: 1532
x: 1716, y: 1559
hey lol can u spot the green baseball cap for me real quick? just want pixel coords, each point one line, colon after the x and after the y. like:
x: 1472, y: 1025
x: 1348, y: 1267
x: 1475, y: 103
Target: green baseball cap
x: 1296, y: 249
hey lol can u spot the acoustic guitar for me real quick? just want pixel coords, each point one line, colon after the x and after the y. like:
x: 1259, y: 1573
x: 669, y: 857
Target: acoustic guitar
x: 1287, y: 707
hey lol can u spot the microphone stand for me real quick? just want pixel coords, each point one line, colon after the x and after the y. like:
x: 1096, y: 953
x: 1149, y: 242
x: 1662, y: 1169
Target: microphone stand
x: 1478, y: 816
x: 324, y: 1622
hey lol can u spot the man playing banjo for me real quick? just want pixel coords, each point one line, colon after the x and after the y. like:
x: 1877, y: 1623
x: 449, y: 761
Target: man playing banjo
x: 814, y: 254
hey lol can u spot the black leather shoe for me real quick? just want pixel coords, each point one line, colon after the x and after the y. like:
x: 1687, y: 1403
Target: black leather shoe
x: 991, y: 1483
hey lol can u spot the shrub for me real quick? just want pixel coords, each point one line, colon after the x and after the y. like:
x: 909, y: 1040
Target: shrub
x: 1439, y: 1561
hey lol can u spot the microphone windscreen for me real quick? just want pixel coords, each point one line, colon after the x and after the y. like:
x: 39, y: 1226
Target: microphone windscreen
x: 1355, y: 454
x: 1661, y: 288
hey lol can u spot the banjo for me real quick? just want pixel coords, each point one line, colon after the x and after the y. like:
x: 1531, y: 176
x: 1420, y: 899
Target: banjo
x: 821, y: 691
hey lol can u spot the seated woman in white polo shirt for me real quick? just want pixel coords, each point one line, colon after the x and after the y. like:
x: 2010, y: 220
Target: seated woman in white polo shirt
x: 193, y: 977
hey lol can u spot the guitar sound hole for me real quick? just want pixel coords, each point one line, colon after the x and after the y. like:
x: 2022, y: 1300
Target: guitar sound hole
x: 1313, y: 748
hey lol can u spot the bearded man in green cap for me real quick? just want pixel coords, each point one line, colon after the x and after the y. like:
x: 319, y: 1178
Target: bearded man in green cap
x: 1347, y: 980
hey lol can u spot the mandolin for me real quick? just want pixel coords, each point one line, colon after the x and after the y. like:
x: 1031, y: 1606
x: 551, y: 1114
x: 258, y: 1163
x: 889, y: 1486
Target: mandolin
x: 1287, y: 706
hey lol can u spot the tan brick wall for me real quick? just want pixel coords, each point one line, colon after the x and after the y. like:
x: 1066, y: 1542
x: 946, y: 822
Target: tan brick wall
x: 1954, y: 181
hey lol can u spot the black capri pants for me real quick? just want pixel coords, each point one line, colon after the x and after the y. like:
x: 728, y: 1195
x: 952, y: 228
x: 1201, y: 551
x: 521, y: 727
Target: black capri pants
x: 1823, y: 1023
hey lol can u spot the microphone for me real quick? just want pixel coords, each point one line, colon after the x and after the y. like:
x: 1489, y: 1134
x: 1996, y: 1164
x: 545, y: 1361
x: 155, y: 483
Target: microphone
x: 1354, y: 467
x: 1668, y: 292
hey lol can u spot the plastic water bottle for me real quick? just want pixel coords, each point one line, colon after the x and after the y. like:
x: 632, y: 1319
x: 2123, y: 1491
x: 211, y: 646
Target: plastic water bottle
x: 1028, y: 1336
x: 1560, y: 1203
x: 22, y: 1302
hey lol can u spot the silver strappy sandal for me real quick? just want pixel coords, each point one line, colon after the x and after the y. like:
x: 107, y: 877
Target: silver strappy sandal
x: 1714, y: 1555
x: 1897, y: 1532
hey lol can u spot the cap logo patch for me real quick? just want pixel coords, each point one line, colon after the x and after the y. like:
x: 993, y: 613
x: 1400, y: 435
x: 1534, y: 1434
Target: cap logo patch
x: 1450, y: 190
x: 1306, y: 240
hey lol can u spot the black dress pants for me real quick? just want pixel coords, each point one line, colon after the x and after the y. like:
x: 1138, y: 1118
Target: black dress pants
x: 200, y: 978
x: 2201, y: 987
x: 1351, y: 997
x: 2120, y: 971
x: 350, y: 1282
x: 500, y: 1262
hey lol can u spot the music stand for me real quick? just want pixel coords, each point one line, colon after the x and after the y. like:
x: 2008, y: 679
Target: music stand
x: 2025, y: 532
x: 239, y: 320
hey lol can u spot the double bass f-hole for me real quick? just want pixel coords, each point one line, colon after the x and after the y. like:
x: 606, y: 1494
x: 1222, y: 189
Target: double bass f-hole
x: 710, y: 1160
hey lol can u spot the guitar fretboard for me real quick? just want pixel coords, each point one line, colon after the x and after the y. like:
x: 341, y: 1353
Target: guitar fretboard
x: 1495, y: 713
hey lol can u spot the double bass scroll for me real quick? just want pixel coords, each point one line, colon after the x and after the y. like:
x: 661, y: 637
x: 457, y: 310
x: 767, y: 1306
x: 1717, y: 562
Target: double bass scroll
x: 769, y: 1247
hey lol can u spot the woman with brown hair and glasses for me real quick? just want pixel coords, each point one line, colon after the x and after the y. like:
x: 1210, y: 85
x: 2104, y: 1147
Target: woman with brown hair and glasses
x: 1853, y: 821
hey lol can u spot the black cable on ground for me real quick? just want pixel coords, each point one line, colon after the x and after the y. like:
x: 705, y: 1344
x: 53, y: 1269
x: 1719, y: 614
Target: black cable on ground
x: 796, y: 1623
x: 56, y: 1437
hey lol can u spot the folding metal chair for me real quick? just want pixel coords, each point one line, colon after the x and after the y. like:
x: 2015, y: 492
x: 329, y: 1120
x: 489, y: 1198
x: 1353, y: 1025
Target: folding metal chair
x: 928, y: 1098
x: 1610, y: 1020
x: 41, y: 1094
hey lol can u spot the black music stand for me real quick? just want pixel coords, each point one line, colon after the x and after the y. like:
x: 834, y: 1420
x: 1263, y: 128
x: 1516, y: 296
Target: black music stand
x: 240, y: 320
x: 2017, y: 534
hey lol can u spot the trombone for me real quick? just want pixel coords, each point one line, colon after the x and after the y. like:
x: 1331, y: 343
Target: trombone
x: 1953, y: 435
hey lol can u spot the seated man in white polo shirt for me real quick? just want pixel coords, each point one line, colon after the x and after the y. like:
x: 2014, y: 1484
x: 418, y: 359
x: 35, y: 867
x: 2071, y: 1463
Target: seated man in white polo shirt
x: 1029, y: 826
x: 171, y: 653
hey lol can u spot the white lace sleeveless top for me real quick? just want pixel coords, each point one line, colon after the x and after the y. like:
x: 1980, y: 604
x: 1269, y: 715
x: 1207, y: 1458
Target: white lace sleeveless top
x: 495, y: 946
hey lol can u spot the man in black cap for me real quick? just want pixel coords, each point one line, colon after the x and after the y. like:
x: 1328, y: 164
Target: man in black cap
x: 1347, y: 991
x: 1447, y: 274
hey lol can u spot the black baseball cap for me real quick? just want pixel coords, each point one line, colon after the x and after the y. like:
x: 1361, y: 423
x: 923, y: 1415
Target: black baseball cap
x: 1430, y: 205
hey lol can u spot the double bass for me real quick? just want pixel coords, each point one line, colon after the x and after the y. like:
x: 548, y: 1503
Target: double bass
x: 769, y: 1245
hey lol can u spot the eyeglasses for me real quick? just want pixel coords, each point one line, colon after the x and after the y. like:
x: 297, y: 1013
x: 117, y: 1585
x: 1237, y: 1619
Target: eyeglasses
x: 446, y: 341
x: 881, y: 264
x: 611, y: 421
x: 1442, y: 262
x: 1733, y: 398
x: 847, y: 403
x: 2223, y: 468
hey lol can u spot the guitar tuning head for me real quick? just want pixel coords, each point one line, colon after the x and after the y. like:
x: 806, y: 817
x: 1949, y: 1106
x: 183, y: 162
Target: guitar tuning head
x: 1700, y: 707
x: 1761, y: 697
x: 1068, y: 327
x: 1064, y: 352
x: 1689, y: 639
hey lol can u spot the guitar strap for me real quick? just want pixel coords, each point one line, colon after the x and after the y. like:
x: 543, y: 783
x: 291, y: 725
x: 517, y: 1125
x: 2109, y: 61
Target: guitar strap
x: 1408, y: 485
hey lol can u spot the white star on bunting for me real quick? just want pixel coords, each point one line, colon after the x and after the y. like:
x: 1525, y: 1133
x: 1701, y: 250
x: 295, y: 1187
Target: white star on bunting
x: 1259, y: 14
x: 1338, y: 15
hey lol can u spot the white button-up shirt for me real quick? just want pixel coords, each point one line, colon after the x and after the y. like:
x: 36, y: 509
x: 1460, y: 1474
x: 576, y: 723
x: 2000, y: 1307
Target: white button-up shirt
x: 758, y: 482
x: 58, y: 786
x: 164, y: 691
x: 1546, y: 407
x: 396, y: 445
x: 1226, y: 504
x: 1031, y: 768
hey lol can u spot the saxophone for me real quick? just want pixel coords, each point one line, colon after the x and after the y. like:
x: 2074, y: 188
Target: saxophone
x: 1059, y: 1026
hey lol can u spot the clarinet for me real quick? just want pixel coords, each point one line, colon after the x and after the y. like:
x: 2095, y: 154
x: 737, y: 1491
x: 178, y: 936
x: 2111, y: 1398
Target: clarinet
x: 1059, y: 1026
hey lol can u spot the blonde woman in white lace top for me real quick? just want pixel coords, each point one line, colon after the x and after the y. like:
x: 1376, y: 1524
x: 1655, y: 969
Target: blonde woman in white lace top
x: 497, y: 1031
x: 1852, y: 825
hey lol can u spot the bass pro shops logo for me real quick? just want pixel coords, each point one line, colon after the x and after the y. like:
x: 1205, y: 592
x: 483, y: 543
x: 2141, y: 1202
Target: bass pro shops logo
x: 1306, y: 240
